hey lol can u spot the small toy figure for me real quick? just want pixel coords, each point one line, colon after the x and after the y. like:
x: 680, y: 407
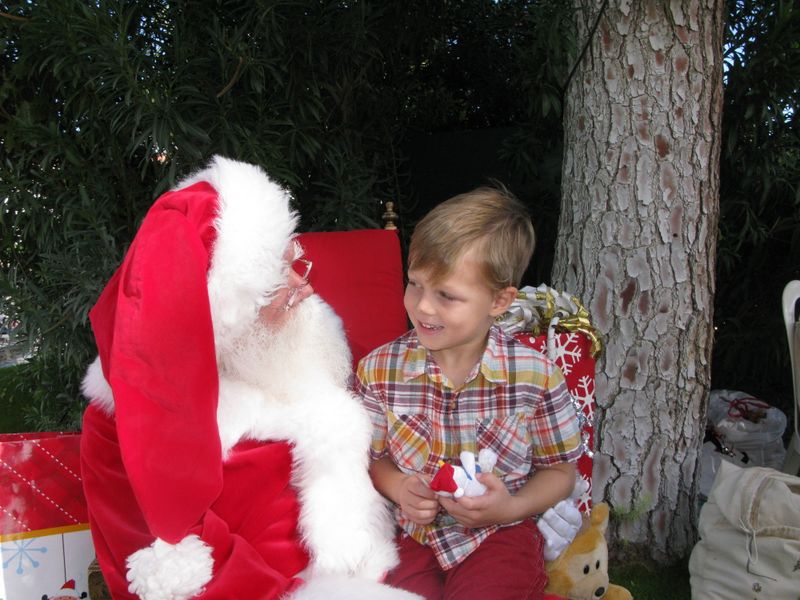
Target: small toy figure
x: 455, y: 482
x: 67, y: 592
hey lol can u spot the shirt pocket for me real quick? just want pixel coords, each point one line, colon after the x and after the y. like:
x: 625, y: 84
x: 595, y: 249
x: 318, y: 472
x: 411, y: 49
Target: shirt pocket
x: 409, y: 441
x: 508, y: 437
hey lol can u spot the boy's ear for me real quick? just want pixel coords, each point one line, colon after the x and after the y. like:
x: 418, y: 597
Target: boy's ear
x: 503, y: 299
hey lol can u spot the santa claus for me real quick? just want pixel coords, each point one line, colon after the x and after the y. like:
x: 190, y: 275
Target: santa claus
x: 222, y: 454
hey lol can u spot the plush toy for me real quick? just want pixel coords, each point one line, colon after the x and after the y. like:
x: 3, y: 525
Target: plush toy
x: 457, y: 481
x: 581, y: 571
x: 559, y: 525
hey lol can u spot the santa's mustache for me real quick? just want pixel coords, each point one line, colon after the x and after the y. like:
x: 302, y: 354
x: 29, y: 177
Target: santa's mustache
x: 252, y: 355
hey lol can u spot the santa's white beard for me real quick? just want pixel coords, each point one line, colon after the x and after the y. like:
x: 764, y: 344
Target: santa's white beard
x: 311, y: 342
x: 251, y: 355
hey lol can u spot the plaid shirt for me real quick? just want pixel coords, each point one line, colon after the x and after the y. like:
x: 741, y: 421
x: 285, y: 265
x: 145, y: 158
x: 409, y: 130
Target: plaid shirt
x: 514, y: 401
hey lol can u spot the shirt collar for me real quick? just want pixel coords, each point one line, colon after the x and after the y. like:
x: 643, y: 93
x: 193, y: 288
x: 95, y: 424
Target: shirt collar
x: 415, y: 358
x: 493, y: 365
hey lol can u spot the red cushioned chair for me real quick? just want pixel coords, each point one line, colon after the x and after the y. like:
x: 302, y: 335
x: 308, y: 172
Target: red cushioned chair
x: 360, y: 274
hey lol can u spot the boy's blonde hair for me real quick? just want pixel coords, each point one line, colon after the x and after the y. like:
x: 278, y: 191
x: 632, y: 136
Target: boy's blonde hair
x: 489, y: 220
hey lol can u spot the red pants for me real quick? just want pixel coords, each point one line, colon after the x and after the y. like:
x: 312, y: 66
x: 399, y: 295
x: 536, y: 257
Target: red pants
x: 508, y: 565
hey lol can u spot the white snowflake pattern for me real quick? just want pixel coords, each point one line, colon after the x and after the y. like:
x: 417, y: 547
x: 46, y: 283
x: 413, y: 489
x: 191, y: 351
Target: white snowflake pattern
x: 583, y: 393
x: 585, y: 500
x: 568, y: 351
x: 22, y: 551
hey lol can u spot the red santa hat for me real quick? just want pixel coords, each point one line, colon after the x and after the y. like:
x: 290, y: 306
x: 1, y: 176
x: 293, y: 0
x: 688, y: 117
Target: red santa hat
x: 444, y: 480
x: 208, y: 255
x: 67, y: 590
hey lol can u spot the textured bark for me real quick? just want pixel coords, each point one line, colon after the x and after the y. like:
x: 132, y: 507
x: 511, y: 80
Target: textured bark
x: 636, y: 241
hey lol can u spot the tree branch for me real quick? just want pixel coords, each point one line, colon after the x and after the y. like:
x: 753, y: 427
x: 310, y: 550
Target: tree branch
x: 14, y: 17
x: 585, y: 48
x: 233, y: 79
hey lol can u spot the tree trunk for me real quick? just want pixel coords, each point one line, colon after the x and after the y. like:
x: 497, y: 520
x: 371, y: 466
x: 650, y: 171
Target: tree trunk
x: 636, y: 241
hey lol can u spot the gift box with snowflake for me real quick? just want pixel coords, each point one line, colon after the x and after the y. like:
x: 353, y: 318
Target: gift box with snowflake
x: 44, y: 530
x: 557, y: 325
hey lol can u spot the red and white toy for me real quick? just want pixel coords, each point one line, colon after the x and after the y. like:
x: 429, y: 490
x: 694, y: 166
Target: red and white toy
x: 457, y: 481
x: 67, y: 592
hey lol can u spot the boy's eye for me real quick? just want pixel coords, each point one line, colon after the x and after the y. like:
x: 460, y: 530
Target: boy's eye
x: 447, y: 296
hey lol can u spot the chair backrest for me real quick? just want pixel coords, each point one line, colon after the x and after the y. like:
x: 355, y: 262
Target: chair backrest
x: 791, y: 295
x: 360, y: 274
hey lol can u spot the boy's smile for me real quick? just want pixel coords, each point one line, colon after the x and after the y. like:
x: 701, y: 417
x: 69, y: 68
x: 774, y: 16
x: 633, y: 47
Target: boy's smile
x: 452, y: 316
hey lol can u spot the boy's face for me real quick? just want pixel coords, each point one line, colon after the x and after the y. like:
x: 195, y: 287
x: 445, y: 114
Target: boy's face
x: 455, y: 313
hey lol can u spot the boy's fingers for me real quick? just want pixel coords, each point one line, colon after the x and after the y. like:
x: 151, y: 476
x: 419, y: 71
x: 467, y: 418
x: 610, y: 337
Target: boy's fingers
x: 428, y: 505
x: 490, y: 480
x: 420, y: 488
x: 447, y: 503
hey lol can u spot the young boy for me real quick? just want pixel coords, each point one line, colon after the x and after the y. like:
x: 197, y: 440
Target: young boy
x: 457, y: 382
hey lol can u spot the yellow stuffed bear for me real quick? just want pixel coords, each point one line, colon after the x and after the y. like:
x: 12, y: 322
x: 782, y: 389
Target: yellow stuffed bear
x: 581, y: 571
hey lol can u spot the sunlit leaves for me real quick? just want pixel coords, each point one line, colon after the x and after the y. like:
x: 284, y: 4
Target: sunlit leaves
x: 759, y: 243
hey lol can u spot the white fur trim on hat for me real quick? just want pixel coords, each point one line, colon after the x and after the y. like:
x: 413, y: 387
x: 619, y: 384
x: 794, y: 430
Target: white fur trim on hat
x: 95, y: 388
x: 254, y: 226
x: 165, y: 571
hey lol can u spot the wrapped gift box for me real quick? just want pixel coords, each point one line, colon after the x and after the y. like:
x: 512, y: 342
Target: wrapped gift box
x: 45, y: 537
x: 574, y: 357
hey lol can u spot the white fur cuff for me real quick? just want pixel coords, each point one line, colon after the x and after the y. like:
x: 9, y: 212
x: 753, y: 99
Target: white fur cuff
x: 165, y: 571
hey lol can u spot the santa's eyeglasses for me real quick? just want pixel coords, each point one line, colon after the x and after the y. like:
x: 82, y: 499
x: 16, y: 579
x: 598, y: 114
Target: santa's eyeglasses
x: 301, y: 266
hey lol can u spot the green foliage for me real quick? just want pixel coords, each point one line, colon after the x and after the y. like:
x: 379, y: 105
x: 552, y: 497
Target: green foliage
x: 759, y: 240
x: 653, y: 582
x: 103, y: 105
x: 11, y: 403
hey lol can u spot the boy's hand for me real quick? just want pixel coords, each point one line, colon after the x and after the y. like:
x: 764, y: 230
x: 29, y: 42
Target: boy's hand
x: 417, y: 501
x: 497, y: 506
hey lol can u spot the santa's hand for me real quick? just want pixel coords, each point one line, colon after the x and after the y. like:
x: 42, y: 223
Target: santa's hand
x: 559, y: 526
x: 417, y: 501
x: 495, y: 507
